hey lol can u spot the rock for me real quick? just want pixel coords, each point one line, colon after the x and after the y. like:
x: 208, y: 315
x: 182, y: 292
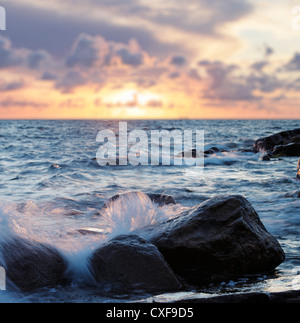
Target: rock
x: 291, y: 150
x: 298, y: 169
x: 212, y: 151
x: 241, y: 298
x: 220, y: 238
x: 295, y: 139
x: 295, y: 195
x: 266, y: 157
x: 131, y: 263
x: 192, y: 153
x: 159, y: 199
x: 289, y: 297
x: 162, y: 200
x: 282, y: 138
x: 31, y: 265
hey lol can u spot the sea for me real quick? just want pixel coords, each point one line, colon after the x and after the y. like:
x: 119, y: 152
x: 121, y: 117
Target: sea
x: 51, y: 186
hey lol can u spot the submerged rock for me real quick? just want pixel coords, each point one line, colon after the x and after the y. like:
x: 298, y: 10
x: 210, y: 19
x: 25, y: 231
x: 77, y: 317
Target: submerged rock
x: 131, y: 263
x: 159, y: 199
x: 282, y: 138
x: 31, y: 265
x: 217, y: 239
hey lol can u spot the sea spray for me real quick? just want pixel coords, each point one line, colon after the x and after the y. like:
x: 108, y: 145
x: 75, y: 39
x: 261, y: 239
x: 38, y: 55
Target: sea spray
x: 48, y: 224
x: 132, y: 211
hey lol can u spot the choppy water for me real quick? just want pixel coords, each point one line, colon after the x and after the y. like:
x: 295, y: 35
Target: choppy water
x: 51, y: 185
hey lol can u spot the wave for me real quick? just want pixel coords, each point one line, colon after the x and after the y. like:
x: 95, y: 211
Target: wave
x: 77, y: 238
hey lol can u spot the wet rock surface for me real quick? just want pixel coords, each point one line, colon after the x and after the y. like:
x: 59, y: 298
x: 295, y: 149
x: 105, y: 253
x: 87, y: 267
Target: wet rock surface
x: 215, y: 240
x: 290, y: 297
x: 159, y: 199
x: 31, y: 265
x: 282, y: 138
x: 131, y: 263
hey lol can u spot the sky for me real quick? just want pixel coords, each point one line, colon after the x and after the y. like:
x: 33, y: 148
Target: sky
x: 158, y: 59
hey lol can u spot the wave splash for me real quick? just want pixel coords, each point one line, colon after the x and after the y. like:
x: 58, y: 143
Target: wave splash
x: 49, y: 225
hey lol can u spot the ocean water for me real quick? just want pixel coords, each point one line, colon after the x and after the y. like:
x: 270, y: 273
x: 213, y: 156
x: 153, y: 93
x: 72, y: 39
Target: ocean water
x: 51, y: 185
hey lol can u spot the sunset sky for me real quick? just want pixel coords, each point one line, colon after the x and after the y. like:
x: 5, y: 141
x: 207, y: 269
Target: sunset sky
x: 135, y: 59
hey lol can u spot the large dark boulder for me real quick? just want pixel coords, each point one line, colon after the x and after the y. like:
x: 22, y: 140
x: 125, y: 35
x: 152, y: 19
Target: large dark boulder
x: 282, y: 138
x: 220, y: 238
x: 32, y: 265
x: 290, y: 150
x: 159, y: 199
x: 131, y: 263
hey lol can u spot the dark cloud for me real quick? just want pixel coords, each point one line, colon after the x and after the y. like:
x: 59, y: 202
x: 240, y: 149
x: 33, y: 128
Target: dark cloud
x: 265, y: 83
x: 11, y: 86
x: 36, y: 58
x: 10, y: 102
x: 268, y: 51
x: 294, y: 63
x: 223, y: 85
x: 55, y: 31
x: 130, y: 58
x: 84, y: 52
x: 70, y: 80
x: 48, y: 76
x: 174, y: 75
x: 194, y: 74
x: 259, y: 66
x: 178, y: 60
x: 8, y: 56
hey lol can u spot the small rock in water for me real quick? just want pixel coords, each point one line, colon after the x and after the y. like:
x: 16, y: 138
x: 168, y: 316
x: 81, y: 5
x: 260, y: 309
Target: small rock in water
x: 159, y: 199
x: 132, y: 263
x: 266, y: 157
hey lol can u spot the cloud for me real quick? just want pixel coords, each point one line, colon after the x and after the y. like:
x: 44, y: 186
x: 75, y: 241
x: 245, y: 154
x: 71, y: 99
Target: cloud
x: 154, y: 104
x: 48, y: 76
x: 69, y: 81
x: 11, y: 56
x: 129, y: 58
x: 10, y: 102
x: 36, y: 58
x: 268, y: 51
x: 294, y: 63
x: 11, y: 86
x: 178, y: 60
x: 84, y: 52
x: 224, y: 85
x: 259, y: 66
x: 8, y: 56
